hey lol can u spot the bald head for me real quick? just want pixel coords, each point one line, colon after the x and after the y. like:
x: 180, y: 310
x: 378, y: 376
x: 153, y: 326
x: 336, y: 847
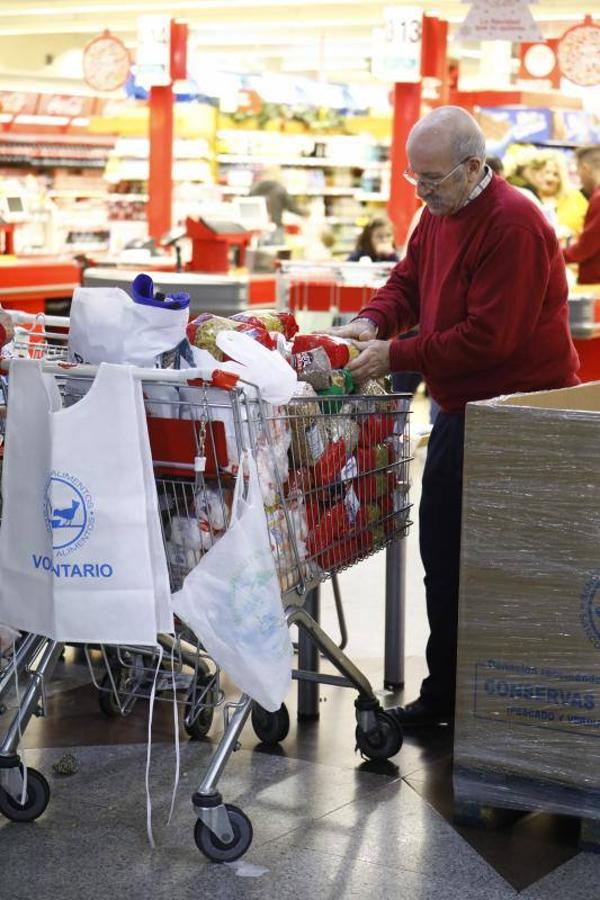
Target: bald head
x: 452, y: 130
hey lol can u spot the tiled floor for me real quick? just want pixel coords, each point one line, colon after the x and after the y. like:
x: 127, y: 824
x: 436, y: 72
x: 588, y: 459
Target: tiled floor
x: 326, y: 824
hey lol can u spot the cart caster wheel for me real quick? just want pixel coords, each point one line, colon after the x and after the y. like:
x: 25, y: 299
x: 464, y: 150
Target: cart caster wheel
x: 36, y: 801
x: 270, y: 727
x: 213, y: 848
x: 199, y: 728
x: 383, y: 742
x: 106, y: 698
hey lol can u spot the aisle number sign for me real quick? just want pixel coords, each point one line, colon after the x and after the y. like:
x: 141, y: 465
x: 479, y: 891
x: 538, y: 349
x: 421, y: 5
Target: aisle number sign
x: 153, y: 53
x: 397, y: 46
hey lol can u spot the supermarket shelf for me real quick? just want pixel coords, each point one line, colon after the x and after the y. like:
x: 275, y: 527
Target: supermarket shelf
x: 311, y: 192
x: 74, y: 192
x: 372, y: 195
x: 141, y: 198
x: 314, y: 162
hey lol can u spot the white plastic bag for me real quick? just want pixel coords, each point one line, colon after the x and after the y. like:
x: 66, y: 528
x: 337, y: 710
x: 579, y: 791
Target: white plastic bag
x: 106, y: 325
x: 231, y: 600
x: 267, y: 369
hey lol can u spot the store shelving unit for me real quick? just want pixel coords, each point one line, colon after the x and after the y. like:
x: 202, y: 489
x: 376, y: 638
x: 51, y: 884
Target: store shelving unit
x: 349, y: 174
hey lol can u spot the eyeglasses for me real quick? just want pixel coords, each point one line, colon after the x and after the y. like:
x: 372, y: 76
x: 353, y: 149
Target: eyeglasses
x: 431, y: 184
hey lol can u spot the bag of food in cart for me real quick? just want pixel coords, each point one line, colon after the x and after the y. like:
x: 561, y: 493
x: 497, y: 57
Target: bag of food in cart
x: 81, y: 552
x: 231, y: 600
x: 107, y: 325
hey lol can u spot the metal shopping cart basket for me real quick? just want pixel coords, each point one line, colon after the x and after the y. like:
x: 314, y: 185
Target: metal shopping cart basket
x: 334, y: 476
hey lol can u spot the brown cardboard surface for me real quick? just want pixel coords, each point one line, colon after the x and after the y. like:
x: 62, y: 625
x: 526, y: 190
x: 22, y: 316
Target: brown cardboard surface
x: 528, y: 685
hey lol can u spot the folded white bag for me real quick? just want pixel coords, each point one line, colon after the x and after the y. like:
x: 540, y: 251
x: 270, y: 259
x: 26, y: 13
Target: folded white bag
x: 267, y: 369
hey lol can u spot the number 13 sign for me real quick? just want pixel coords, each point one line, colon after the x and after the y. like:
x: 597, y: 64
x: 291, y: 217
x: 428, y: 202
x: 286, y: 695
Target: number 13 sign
x: 397, y: 46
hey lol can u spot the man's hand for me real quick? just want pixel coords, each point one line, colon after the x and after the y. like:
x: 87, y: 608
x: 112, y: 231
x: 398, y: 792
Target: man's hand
x: 360, y: 330
x: 374, y: 360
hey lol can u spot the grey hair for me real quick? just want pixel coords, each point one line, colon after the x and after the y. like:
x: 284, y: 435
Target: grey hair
x: 470, y: 145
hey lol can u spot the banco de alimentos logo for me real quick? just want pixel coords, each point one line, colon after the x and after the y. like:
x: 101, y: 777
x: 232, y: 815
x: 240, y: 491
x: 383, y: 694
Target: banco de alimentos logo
x: 68, y: 512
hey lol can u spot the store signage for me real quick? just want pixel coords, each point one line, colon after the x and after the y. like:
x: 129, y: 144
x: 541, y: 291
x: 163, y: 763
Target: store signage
x: 106, y: 63
x: 64, y: 105
x: 397, y: 46
x: 499, y: 20
x: 579, y: 53
x: 17, y: 102
x: 506, y: 125
x: 153, y: 54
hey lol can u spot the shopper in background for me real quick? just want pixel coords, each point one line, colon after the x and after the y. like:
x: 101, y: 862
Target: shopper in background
x: 270, y: 186
x: 495, y: 164
x: 567, y: 205
x: 586, y: 250
x: 485, y: 280
x: 376, y: 241
x: 522, y: 171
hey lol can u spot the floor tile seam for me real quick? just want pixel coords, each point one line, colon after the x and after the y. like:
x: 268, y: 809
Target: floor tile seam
x: 396, y: 869
x: 315, y: 819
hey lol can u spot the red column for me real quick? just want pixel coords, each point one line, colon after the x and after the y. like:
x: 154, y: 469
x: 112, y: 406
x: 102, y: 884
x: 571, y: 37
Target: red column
x: 434, y: 54
x: 160, y: 182
x: 402, y: 203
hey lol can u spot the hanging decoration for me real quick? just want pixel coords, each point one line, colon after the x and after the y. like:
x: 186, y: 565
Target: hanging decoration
x: 579, y: 53
x: 499, y: 20
x: 106, y: 62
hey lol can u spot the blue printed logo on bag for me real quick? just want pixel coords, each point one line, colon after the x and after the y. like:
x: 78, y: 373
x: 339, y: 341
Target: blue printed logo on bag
x: 68, y: 512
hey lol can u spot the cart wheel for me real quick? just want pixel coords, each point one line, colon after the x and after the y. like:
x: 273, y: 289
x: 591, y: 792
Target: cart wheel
x: 199, y: 728
x: 36, y: 801
x: 383, y: 742
x: 270, y: 727
x: 107, y: 700
x: 209, y: 844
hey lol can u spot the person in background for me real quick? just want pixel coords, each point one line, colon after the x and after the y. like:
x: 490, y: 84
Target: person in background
x: 495, y: 164
x: 484, y: 279
x: 567, y: 205
x: 586, y: 250
x: 376, y: 241
x: 522, y: 172
x: 279, y: 200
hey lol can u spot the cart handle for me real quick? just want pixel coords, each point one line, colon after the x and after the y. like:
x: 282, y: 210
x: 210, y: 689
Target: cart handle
x: 23, y: 318
x: 191, y: 377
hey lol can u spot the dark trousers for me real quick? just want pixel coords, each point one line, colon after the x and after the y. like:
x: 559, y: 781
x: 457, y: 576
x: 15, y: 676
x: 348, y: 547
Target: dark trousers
x: 439, y: 524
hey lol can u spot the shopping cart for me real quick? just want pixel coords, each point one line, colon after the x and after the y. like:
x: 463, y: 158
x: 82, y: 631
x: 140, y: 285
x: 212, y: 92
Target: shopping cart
x: 341, y: 288
x: 334, y: 477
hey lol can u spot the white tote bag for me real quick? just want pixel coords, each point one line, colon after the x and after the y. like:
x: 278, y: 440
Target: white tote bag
x: 81, y: 556
x: 231, y: 600
x: 107, y: 325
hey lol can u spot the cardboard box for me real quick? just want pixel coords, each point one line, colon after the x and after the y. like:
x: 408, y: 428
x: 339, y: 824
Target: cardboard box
x: 528, y: 678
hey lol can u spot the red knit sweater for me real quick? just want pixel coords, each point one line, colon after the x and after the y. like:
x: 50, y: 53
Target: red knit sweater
x: 586, y: 250
x: 487, y: 288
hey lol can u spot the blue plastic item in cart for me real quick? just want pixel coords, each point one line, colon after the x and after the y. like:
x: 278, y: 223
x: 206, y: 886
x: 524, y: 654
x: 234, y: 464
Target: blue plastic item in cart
x: 142, y: 291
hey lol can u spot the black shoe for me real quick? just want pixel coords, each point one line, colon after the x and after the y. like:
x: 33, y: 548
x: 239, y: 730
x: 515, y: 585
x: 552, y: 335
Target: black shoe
x: 418, y: 713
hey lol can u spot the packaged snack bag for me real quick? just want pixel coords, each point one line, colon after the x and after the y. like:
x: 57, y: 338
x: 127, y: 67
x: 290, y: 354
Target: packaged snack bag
x: 283, y: 322
x: 339, y: 351
x: 314, y: 367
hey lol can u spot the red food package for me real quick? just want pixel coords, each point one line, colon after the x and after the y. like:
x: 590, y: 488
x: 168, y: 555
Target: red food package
x: 247, y: 319
x: 257, y: 333
x: 345, y: 552
x: 331, y: 526
x: 374, y: 429
x: 369, y: 488
x: 377, y: 457
x: 337, y: 351
x: 331, y: 463
x: 290, y: 326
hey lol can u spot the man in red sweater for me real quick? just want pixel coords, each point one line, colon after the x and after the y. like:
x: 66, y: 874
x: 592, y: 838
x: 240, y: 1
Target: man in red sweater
x: 586, y: 250
x: 484, y: 279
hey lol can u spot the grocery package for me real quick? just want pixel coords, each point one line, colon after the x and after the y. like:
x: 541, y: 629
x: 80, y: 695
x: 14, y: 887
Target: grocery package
x: 314, y: 367
x: 202, y: 332
x: 309, y: 435
x: 339, y: 351
x: 282, y: 322
x: 528, y: 695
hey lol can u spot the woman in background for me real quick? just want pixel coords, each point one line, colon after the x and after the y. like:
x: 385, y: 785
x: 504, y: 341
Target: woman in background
x: 376, y: 241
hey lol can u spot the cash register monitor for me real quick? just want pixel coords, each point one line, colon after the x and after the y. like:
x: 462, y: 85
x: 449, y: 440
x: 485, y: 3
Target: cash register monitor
x: 252, y: 213
x: 12, y: 208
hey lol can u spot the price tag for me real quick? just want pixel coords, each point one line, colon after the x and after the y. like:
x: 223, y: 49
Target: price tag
x: 397, y: 46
